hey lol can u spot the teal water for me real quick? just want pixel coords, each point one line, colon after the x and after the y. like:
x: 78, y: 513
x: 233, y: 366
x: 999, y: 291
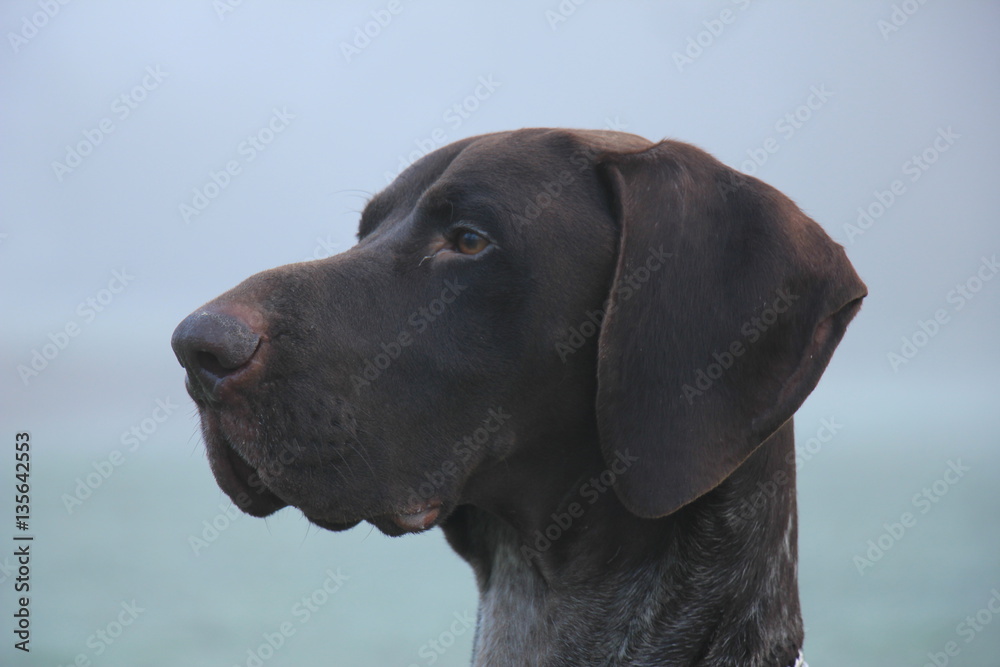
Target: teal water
x: 401, y: 601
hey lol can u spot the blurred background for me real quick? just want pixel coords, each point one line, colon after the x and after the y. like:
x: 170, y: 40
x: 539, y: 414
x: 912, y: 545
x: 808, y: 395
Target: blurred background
x: 120, y: 120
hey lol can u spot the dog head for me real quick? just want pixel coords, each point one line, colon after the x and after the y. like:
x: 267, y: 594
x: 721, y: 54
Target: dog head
x: 508, y: 290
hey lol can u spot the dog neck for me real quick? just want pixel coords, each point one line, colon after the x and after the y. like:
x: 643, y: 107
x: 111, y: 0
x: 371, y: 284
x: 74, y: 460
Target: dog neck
x: 713, y: 584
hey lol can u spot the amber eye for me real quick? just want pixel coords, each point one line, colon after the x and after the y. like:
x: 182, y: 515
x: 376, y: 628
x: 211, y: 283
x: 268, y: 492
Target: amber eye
x: 469, y: 242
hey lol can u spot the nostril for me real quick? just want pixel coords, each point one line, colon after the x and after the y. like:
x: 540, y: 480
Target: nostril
x: 212, y: 344
x: 208, y: 362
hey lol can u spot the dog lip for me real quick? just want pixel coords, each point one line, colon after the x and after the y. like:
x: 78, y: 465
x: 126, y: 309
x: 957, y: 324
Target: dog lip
x: 233, y: 475
x: 419, y: 517
x: 335, y: 526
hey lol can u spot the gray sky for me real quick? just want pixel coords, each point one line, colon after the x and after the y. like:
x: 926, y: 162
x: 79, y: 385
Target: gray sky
x: 844, y: 101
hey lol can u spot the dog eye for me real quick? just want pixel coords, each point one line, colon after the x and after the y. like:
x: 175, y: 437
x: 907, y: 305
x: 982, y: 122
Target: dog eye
x: 469, y: 242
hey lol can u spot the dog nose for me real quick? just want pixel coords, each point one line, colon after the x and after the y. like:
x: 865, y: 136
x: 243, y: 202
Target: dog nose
x: 213, y: 345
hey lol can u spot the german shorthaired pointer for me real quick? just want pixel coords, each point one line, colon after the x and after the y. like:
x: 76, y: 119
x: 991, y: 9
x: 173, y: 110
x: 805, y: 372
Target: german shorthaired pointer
x: 579, y: 354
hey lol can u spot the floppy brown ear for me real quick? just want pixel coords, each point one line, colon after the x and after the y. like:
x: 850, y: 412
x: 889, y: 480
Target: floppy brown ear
x: 726, y: 306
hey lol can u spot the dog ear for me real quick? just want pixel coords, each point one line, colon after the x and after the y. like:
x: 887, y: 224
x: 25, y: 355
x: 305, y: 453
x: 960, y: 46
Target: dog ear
x: 726, y: 305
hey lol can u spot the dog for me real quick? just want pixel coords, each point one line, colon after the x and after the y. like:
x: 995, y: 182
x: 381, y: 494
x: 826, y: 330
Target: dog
x: 579, y: 354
